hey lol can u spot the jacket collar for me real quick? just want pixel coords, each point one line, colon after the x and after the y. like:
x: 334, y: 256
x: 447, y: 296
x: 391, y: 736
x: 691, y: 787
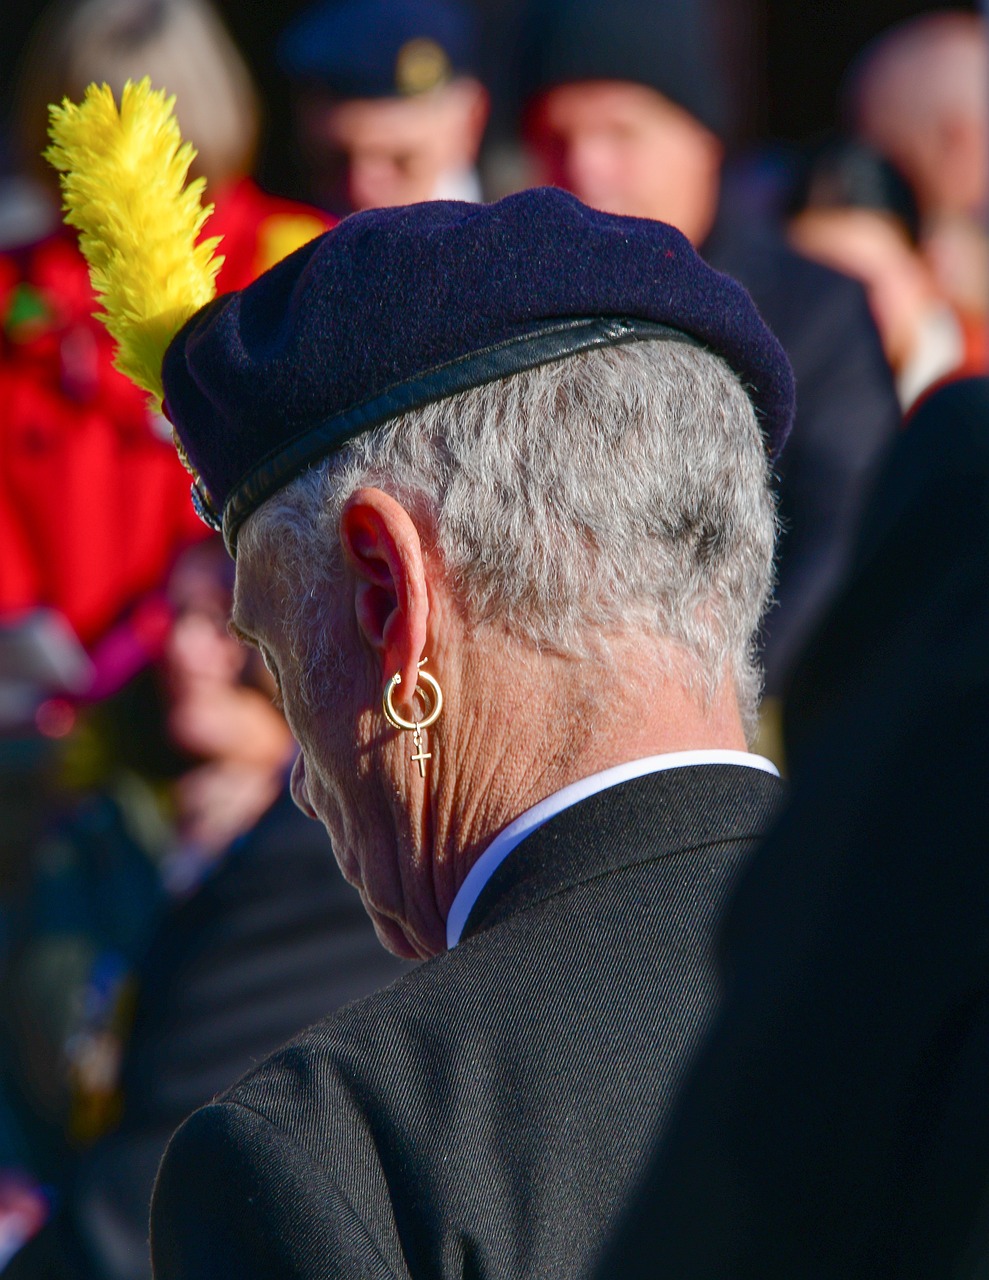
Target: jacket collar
x: 655, y: 816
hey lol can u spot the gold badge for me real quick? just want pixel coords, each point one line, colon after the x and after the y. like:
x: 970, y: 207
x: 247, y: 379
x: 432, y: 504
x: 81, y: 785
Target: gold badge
x: 421, y: 65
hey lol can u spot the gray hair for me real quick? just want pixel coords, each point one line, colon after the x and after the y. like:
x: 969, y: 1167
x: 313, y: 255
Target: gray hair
x: 623, y: 491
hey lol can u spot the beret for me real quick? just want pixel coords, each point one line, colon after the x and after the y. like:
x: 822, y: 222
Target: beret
x: 667, y: 45
x: 379, y: 48
x: 396, y: 308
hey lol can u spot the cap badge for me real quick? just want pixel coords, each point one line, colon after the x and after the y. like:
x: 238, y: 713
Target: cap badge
x: 421, y: 65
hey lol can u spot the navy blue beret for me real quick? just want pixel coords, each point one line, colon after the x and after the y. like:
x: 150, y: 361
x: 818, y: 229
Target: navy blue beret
x: 668, y: 45
x: 395, y: 308
x: 379, y: 48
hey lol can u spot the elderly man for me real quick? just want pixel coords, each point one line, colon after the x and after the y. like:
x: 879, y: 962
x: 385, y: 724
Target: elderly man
x: 626, y: 109
x: 388, y: 109
x: 496, y: 480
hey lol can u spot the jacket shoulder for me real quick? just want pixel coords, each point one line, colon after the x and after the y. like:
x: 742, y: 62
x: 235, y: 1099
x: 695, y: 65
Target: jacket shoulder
x: 237, y: 1196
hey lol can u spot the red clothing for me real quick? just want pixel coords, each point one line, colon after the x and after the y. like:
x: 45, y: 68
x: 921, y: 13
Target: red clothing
x: 258, y: 230
x: 93, y: 500
x: 976, y: 331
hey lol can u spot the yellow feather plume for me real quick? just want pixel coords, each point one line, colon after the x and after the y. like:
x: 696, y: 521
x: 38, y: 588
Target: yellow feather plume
x: 123, y: 178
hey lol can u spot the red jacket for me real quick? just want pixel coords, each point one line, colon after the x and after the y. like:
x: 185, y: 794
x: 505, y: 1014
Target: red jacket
x: 93, y: 501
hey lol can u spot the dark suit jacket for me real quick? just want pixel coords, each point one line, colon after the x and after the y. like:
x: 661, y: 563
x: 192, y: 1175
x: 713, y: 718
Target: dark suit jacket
x: 272, y: 941
x: 487, y: 1114
x: 847, y: 417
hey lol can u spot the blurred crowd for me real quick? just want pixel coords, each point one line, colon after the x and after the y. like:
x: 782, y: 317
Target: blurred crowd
x: 166, y: 916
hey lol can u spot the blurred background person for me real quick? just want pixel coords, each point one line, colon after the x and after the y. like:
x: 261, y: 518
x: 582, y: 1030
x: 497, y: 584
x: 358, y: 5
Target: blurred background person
x: 388, y: 107
x: 853, y: 211
x: 104, y: 814
x: 42, y: 665
x: 920, y: 95
x: 185, y: 49
x: 625, y: 107
x: 245, y: 933
x: 219, y: 712
x: 73, y: 430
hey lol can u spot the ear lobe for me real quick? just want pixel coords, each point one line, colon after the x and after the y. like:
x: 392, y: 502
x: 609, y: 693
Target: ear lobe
x: 382, y: 546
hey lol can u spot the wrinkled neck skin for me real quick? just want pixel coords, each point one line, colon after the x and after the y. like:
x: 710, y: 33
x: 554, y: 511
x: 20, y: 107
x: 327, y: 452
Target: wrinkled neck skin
x: 518, y: 726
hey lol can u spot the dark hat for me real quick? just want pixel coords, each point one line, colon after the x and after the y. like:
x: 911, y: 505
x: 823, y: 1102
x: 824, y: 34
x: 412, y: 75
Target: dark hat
x: 667, y: 45
x: 843, y: 173
x: 396, y: 308
x: 379, y: 48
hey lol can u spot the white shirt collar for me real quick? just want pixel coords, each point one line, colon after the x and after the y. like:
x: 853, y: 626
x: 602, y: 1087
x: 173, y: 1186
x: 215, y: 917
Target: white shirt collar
x: 459, y: 184
x: 524, y: 825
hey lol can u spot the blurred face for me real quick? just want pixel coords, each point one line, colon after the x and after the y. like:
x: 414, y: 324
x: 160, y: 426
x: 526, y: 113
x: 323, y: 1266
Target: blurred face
x: 219, y: 705
x: 626, y: 149
x: 379, y: 152
x: 199, y: 651
x: 351, y: 768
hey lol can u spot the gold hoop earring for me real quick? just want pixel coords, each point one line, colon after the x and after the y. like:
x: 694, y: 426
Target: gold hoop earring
x: 415, y: 726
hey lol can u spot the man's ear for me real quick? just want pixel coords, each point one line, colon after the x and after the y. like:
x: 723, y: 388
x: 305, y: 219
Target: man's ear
x: 382, y: 546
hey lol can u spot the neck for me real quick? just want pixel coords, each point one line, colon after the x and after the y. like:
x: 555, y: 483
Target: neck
x: 523, y: 725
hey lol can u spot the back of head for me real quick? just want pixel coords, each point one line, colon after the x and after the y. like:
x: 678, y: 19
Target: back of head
x: 181, y: 44
x: 577, y: 412
x: 617, y: 494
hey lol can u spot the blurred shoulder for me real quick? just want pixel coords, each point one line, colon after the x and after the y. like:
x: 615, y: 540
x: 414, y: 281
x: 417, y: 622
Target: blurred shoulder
x: 777, y: 275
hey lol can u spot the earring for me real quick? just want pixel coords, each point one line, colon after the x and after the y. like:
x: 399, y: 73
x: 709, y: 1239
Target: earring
x: 432, y: 713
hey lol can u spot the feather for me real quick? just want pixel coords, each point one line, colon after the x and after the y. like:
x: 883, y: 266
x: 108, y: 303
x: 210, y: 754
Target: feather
x: 123, y: 177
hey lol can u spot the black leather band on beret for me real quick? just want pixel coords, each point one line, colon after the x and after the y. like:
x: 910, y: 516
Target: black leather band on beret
x: 528, y: 351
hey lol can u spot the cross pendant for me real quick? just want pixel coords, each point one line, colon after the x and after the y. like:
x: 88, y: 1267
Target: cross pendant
x: 421, y: 757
